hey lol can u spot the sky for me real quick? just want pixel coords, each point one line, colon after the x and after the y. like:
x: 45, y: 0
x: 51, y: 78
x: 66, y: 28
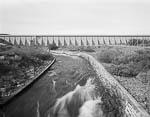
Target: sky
x: 87, y: 17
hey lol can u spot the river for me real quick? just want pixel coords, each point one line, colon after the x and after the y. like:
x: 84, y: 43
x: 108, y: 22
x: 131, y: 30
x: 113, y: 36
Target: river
x: 42, y: 94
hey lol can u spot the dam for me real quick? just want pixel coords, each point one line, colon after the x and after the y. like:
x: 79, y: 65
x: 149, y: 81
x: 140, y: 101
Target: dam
x: 77, y: 40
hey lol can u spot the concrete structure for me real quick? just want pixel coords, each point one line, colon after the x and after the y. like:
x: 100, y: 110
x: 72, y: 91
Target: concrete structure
x: 76, y: 40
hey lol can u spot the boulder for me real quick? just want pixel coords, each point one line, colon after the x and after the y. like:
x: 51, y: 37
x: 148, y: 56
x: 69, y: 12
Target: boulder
x: 2, y: 57
x: 144, y: 76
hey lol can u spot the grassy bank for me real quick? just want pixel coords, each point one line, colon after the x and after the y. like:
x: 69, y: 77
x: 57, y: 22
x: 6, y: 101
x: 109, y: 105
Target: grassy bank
x: 131, y: 67
x: 18, y: 65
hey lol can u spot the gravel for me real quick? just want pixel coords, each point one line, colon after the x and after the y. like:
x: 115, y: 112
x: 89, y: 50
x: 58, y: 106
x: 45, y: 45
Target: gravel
x: 140, y: 91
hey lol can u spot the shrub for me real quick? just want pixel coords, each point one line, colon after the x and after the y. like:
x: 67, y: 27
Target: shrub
x: 52, y: 46
x: 87, y: 49
x: 122, y: 70
x: 44, y: 56
x: 122, y: 64
x: 73, y: 48
x: 108, y: 55
x: 135, y: 42
x: 4, y: 68
x: 32, y: 56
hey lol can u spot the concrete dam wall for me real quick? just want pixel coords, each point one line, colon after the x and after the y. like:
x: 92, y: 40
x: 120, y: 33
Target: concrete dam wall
x: 75, y: 40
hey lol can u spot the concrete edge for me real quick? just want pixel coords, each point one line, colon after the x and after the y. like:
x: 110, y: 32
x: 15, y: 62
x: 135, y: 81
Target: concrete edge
x: 28, y: 84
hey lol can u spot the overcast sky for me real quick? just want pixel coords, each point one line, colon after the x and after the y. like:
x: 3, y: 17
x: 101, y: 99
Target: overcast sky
x: 75, y: 16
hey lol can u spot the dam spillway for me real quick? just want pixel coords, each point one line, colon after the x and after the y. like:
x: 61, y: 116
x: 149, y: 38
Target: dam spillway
x: 76, y: 40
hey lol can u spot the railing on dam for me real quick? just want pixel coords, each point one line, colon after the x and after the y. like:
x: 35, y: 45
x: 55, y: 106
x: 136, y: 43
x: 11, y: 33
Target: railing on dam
x: 78, y: 40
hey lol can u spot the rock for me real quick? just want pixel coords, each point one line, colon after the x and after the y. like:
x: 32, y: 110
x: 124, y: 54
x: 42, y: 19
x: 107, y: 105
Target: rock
x: 2, y: 57
x: 16, y: 57
x: 2, y: 89
x: 144, y: 77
